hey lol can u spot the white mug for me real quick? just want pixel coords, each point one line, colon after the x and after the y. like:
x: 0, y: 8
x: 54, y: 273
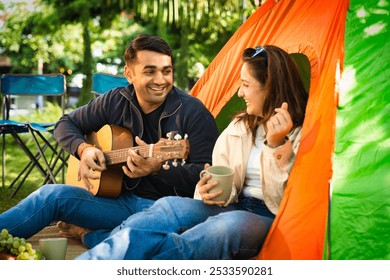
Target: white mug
x: 53, y: 248
x: 224, y: 176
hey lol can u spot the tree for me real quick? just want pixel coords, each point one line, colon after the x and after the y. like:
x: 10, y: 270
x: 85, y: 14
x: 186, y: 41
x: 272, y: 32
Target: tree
x: 27, y: 43
x: 62, y: 38
x: 196, y: 30
x: 83, y: 12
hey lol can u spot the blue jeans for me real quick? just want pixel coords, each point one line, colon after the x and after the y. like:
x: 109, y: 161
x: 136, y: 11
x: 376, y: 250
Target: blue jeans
x: 184, y: 228
x: 70, y: 204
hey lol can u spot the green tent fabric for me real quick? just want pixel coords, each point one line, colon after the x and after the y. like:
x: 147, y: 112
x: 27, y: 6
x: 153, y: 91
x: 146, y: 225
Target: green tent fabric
x: 359, y: 225
x: 339, y: 187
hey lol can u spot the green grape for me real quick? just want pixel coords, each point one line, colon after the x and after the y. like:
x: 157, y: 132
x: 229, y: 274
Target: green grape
x: 21, y: 248
x: 32, y: 252
x: 28, y: 246
x: 4, y: 232
x: 23, y: 241
x: 23, y: 256
x: 14, y: 251
x: 10, y: 240
x: 16, y: 243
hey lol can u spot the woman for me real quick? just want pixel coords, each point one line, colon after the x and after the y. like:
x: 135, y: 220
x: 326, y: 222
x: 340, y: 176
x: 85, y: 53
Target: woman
x: 260, y: 145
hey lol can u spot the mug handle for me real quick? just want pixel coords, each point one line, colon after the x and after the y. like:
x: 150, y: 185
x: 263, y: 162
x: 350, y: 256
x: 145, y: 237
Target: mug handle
x: 202, y: 173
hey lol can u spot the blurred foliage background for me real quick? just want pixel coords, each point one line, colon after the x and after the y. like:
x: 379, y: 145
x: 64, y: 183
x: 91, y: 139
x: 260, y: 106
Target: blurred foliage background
x: 80, y: 37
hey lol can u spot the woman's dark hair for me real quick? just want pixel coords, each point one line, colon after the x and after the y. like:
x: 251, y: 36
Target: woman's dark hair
x: 279, y: 75
x: 146, y: 42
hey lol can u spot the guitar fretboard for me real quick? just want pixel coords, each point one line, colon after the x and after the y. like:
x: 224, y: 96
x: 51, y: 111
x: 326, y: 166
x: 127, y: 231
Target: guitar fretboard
x: 163, y: 151
x: 120, y: 156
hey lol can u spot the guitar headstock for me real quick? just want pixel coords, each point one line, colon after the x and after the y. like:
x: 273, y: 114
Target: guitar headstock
x: 171, y: 148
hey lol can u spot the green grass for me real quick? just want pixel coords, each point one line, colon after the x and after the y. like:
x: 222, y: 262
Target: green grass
x: 6, y: 193
x: 16, y: 160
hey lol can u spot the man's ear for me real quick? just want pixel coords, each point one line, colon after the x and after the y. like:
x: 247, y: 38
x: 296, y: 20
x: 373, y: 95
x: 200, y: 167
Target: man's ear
x: 128, y: 74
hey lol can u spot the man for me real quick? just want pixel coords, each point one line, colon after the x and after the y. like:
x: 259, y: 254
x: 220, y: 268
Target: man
x: 150, y: 107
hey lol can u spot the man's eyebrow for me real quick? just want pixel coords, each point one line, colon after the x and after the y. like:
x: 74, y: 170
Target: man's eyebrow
x: 155, y: 67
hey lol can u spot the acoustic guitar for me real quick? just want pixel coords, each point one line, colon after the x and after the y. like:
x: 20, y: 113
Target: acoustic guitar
x: 115, y: 141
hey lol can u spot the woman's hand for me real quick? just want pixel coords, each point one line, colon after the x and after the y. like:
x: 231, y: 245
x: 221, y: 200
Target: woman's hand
x: 278, y: 126
x: 137, y: 166
x: 204, y: 187
x: 92, y: 160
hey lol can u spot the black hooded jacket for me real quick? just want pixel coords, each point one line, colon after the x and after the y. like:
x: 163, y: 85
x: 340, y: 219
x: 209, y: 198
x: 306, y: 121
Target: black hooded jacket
x: 180, y: 112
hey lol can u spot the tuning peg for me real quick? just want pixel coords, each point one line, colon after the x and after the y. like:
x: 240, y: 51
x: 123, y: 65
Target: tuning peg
x: 177, y: 137
x: 166, y: 165
x: 170, y: 135
x: 186, y: 136
x: 183, y: 161
x: 174, y: 163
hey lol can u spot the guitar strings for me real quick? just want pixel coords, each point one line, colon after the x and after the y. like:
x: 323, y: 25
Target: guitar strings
x: 120, y: 155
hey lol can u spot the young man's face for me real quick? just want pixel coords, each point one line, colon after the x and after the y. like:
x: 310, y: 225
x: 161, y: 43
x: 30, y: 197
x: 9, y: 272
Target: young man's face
x: 152, y: 77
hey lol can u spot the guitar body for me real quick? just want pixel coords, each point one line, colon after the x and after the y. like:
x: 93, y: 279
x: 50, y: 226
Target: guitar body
x: 108, y: 138
x: 115, y: 143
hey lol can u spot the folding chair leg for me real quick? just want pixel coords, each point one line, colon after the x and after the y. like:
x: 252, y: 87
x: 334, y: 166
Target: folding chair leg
x: 28, y: 153
x: 58, y: 155
x: 49, y: 168
x: 64, y: 158
x: 26, y: 170
x: 29, y: 167
x: 3, y: 162
x: 52, y: 167
x: 41, y: 152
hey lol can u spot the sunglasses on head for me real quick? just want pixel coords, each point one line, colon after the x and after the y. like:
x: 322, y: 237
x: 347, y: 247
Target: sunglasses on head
x: 260, y: 50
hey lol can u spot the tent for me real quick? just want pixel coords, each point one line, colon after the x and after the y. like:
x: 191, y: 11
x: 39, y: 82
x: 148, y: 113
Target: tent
x: 337, y: 200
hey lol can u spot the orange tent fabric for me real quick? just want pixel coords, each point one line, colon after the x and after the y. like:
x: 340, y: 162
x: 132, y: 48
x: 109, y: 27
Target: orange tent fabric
x: 316, y: 29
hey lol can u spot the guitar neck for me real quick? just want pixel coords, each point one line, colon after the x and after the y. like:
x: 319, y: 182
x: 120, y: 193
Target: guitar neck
x: 120, y: 156
x: 163, y: 150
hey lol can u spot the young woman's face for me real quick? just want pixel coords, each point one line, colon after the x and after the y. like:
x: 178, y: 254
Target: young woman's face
x: 252, y: 92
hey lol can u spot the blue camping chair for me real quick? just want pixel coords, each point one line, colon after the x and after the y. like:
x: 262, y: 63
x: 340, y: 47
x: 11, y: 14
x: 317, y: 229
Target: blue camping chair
x: 21, y: 86
x: 101, y: 82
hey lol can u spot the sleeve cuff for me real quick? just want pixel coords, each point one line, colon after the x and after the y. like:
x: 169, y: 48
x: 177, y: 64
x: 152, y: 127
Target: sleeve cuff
x: 282, y: 153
